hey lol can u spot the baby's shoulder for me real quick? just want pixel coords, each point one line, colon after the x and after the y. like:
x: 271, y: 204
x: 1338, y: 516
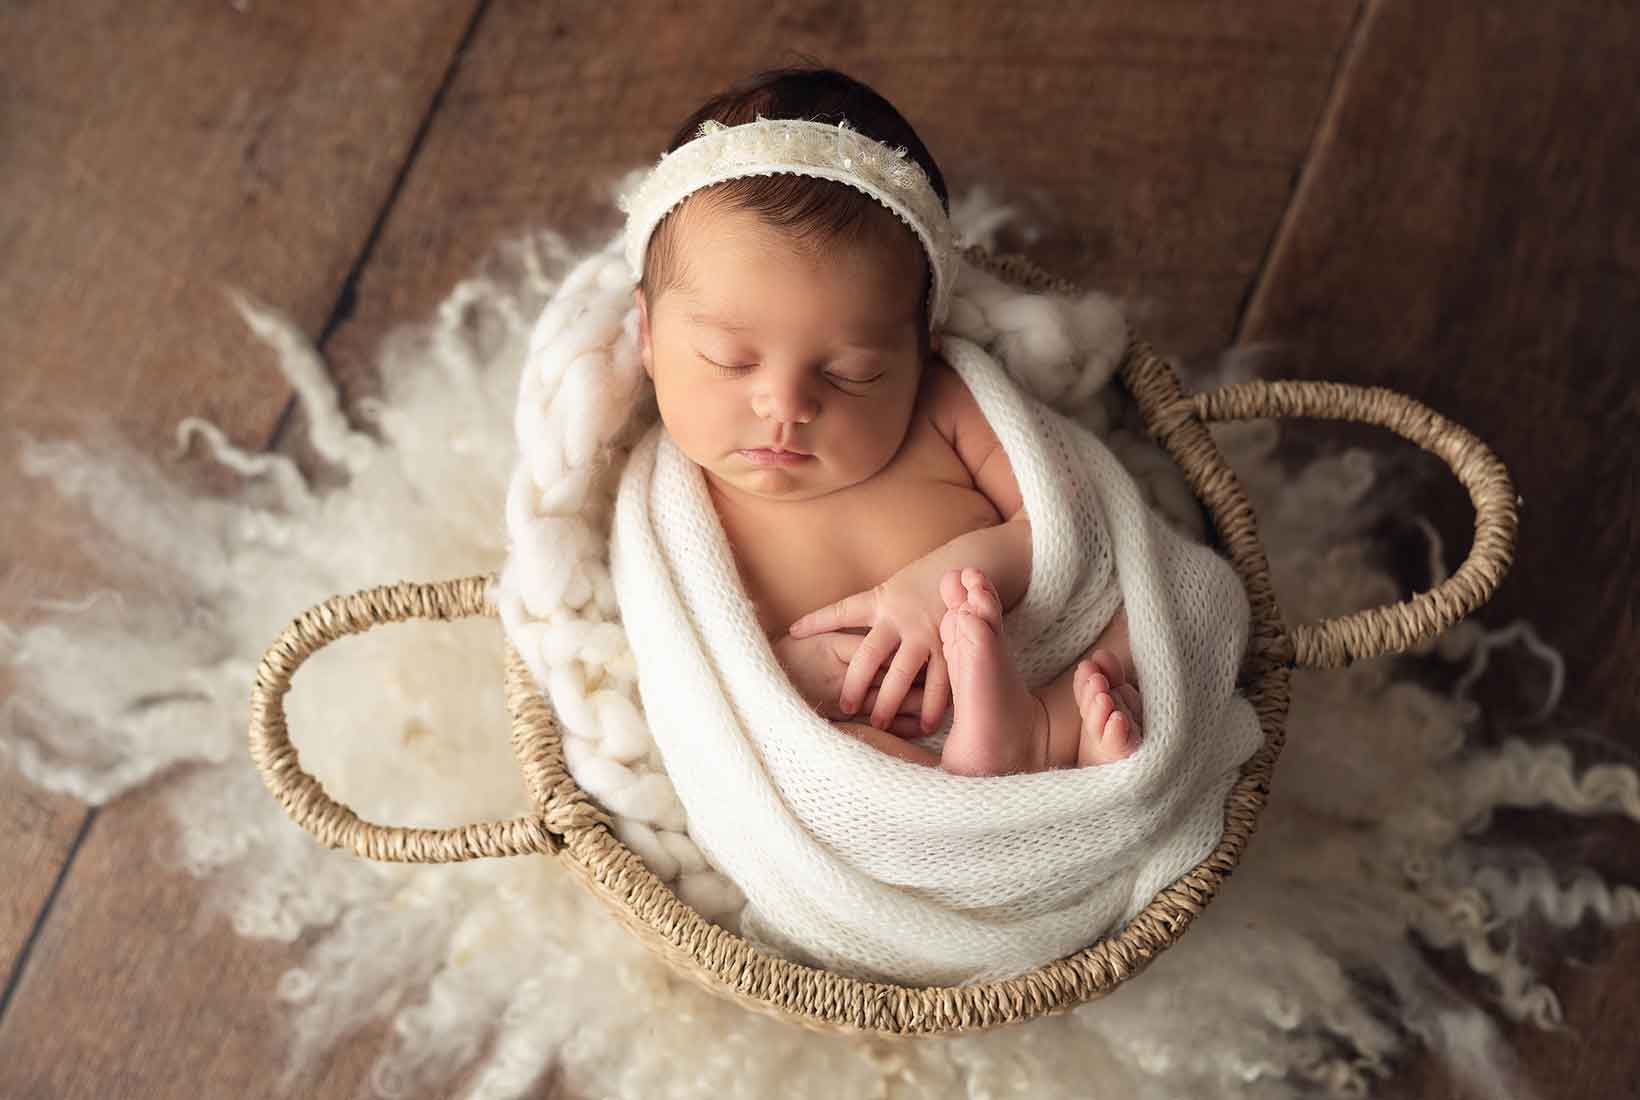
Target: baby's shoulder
x: 945, y: 399
x: 957, y: 416
x: 955, y: 411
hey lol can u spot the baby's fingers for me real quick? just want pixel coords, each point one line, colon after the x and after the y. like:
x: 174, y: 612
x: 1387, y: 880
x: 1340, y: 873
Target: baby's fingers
x: 874, y: 648
x: 896, y: 683
x: 936, y: 692
x: 910, y: 706
x: 906, y: 726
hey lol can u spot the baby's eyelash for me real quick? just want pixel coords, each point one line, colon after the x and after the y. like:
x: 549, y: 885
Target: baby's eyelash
x: 729, y: 371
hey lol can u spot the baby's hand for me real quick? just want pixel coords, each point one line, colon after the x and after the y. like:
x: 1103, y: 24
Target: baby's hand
x: 816, y: 666
x: 903, y: 616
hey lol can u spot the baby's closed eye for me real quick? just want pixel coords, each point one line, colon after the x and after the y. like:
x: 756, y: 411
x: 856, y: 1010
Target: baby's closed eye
x: 853, y: 374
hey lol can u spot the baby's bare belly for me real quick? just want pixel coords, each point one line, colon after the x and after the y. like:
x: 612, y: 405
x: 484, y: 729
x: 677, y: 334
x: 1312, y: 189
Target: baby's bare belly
x: 858, y: 537
x: 851, y: 555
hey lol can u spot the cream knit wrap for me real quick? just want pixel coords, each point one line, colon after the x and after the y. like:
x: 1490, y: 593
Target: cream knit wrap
x: 755, y: 809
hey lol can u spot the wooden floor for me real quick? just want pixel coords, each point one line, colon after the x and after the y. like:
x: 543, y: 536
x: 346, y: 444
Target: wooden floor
x: 1437, y: 197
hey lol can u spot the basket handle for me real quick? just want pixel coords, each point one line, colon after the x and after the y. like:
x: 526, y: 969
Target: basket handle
x: 302, y: 796
x: 1394, y: 628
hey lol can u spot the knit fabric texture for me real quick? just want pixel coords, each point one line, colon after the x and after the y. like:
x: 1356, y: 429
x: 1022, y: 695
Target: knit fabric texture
x: 875, y: 867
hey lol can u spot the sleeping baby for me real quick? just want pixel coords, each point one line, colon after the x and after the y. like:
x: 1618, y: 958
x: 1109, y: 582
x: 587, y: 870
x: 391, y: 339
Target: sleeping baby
x: 786, y: 322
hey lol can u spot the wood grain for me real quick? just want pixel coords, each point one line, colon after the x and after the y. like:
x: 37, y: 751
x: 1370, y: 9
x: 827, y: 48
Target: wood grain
x: 1154, y: 145
x: 149, y: 162
x: 546, y: 108
x: 159, y: 1000
x: 1487, y: 262
x: 1466, y: 233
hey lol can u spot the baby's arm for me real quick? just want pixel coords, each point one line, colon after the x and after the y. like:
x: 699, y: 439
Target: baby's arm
x: 971, y: 436
x: 958, y: 415
x: 1002, y: 552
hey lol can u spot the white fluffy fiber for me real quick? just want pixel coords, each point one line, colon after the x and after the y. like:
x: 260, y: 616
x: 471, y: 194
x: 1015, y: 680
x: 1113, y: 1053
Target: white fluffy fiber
x: 1304, y: 977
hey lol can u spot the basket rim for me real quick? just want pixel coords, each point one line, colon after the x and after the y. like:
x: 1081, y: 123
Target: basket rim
x: 818, y: 999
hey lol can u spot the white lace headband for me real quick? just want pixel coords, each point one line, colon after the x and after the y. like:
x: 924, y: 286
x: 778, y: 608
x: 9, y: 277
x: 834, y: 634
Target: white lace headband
x: 798, y: 147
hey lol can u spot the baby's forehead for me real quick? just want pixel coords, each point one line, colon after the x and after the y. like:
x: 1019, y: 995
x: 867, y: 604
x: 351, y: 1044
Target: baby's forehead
x: 706, y: 221
x: 725, y: 261
x: 859, y: 328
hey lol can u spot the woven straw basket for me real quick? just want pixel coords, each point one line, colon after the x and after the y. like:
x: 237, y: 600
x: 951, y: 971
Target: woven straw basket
x: 566, y: 824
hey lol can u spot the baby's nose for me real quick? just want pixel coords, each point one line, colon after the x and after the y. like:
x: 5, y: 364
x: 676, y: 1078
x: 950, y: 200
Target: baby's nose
x: 787, y: 405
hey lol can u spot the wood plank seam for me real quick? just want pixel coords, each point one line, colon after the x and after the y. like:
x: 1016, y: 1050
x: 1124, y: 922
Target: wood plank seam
x: 1326, y: 124
x: 15, y: 978
x: 338, y: 314
x: 347, y: 296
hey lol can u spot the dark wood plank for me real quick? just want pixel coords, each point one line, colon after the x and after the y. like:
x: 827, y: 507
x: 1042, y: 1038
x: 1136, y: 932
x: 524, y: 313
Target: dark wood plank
x: 1466, y: 234
x: 40, y: 828
x: 132, y: 991
x: 549, y: 105
x: 149, y: 160
x: 1156, y: 145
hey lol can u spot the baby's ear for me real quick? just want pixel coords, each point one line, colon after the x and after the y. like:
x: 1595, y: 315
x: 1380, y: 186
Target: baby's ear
x: 644, y: 352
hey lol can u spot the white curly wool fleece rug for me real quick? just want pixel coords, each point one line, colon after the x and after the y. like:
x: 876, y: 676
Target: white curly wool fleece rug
x: 1307, y: 976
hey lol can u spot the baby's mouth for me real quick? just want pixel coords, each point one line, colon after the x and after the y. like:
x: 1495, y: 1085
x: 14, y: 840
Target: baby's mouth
x: 769, y: 454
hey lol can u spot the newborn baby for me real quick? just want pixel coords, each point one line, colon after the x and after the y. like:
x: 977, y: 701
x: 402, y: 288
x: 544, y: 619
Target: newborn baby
x: 783, y: 321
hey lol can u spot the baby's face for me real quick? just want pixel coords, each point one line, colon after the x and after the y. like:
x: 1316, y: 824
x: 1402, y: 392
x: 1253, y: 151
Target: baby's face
x: 762, y: 343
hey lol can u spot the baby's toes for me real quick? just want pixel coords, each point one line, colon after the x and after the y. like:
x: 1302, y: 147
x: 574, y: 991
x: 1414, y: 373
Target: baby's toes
x: 1096, y: 712
x: 1108, y: 664
x: 952, y: 590
x: 1087, y: 683
x: 1121, y: 736
x: 982, y: 596
x: 1129, y: 700
x: 1080, y: 683
x: 1107, y: 734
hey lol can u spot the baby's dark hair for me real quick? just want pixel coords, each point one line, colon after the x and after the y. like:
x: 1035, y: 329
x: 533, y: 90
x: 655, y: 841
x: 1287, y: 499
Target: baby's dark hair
x: 807, y: 208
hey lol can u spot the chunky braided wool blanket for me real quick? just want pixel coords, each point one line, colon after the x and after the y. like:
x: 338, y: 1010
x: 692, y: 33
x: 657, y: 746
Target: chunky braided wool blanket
x: 828, y: 851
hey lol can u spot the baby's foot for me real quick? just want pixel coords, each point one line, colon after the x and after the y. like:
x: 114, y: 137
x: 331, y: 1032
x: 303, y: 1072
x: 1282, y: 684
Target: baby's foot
x: 997, y: 725
x: 1111, y: 710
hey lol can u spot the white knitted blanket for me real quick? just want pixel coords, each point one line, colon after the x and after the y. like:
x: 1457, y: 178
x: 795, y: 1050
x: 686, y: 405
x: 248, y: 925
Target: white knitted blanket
x: 872, y: 866
x: 762, y: 815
